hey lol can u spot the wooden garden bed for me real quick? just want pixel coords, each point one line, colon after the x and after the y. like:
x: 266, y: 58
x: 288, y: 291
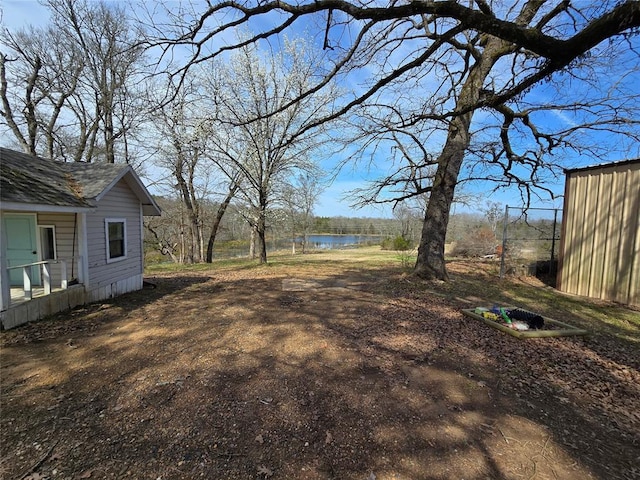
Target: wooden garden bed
x: 552, y: 327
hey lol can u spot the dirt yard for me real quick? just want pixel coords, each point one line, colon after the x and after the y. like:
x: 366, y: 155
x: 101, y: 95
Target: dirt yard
x: 318, y: 368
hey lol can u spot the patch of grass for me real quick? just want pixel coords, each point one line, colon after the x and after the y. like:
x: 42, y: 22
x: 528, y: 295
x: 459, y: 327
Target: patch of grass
x: 597, y: 316
x: 231, y: 263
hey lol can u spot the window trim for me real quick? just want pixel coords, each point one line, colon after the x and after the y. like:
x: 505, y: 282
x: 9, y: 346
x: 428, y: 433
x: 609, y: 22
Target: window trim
x: 41, y: 246
x: 107, y: 222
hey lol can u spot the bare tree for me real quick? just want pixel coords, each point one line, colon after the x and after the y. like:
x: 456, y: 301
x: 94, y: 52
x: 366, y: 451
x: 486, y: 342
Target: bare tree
x: 233, y: 185
x: 500, y: 52
x: 309, y: 187
x: 266, y: 151
x: 112, y: 58
x: 72, y: 90
x: 28, y: 141
x: 181, y: 145
x: 162, y: 238
x: 299, y: 199
x: 494, y: 213
x: 34, y: 95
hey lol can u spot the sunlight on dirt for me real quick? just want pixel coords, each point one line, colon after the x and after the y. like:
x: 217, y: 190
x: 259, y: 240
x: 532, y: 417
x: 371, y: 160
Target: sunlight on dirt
x: 311, y: 371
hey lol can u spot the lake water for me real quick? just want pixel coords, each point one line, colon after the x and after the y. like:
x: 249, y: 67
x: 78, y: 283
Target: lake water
x: 316, y: 241
x: 327, y: 241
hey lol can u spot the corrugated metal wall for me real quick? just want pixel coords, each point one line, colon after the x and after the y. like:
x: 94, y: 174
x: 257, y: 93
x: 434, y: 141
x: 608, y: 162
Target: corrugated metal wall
x: 600, y: 251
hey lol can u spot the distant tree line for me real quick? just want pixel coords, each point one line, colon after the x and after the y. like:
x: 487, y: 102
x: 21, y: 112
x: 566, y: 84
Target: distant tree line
x: 170, y: 234
x: 472, y: 234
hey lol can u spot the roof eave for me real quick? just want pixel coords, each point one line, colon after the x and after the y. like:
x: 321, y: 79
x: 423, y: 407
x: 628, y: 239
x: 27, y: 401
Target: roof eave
x: 35, y: 207
x: 149, y: 205
x: 569, y: 171
x: 151, y: 210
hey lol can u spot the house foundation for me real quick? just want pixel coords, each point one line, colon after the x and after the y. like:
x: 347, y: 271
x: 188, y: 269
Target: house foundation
x: 40, y: 307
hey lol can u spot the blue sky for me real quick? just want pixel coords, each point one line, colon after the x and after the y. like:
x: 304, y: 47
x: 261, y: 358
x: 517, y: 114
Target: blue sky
x: 18, y: 13
x: 336, y: 198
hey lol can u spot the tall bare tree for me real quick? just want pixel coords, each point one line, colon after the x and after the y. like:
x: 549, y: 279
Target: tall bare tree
x: 251, y: 86
x: 181, y: 143
x: 501, y: 52
x: 298, y: 198
x: 35, y: 92
x: 112, y: 58
x: 71, y: 91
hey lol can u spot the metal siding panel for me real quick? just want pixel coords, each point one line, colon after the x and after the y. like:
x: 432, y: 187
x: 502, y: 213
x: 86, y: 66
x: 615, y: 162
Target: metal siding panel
x: 634, y: 279
x: 568, y: 253
x: 629, y: 230
x: 620, y: 233
x: 634, y: 287
x: 601, y: 249
x: 614, y: 233
x: 579, y: 234
x: 588, y: 234
x: 598, y: 222
x: 601, y: 233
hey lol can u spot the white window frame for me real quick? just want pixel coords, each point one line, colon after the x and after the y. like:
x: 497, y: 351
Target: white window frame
x: 41, y: 246
x: 108, y: 221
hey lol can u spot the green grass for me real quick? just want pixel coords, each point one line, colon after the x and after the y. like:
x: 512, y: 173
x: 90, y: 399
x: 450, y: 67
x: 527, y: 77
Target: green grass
x: 595, y: 315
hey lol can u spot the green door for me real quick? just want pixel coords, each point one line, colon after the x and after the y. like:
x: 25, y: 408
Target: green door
x: 22, y: 246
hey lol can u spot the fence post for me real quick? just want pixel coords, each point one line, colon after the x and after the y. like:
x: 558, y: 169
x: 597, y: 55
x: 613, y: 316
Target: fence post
x: 552, y: 266
x: 553, y: 235
x: 504, y: 239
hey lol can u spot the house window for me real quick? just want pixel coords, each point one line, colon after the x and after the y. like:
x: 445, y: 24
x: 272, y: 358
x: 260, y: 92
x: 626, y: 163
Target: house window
x: 116, y: 230
x: 47, y: 242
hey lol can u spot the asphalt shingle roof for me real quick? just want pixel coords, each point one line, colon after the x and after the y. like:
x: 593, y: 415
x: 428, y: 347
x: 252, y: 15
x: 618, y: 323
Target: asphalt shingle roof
x: 33, y: 180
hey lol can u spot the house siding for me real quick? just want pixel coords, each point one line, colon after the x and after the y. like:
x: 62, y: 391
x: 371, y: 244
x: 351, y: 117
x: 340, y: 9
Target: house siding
x: 74, y: 198
x: 110, y: 279
x: 66, y: 238
x: 600, y: 252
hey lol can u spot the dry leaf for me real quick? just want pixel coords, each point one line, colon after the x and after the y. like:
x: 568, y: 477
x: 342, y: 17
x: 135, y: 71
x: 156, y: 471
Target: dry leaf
x: 328, y: 439
x: 86, y: 474
x: 35, y: 476
x: 262, y: 470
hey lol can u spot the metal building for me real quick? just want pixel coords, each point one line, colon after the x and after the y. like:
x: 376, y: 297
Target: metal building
x: 600, y: 246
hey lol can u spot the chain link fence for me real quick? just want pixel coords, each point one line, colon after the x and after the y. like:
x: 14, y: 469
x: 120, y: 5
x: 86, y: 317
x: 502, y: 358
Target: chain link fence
x: 530, y: 242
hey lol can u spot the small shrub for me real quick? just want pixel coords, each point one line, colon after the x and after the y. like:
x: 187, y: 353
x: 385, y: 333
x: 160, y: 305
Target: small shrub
x: 475, y: 243
x: 398, y: 244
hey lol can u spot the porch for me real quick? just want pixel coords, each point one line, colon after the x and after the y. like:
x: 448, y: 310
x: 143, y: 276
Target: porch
x: 18, y: 296
x: 29, y: 302
x: 39, y: 307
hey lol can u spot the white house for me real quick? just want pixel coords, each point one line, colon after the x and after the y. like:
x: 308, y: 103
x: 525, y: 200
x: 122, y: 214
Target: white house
x: 71, y: 234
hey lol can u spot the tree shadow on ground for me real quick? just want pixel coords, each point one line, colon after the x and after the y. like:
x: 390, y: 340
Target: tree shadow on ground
x: 358, y: 375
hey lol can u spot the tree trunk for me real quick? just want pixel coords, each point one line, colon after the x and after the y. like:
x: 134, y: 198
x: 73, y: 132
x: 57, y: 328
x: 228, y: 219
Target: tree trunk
x: 252, y: 242
x: 430, y: 263
x: 216, y: 222
x: 261, y: 228
x: 195, y: 241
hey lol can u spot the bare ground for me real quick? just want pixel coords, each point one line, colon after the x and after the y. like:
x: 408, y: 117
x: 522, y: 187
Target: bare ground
x: 314, y: 370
